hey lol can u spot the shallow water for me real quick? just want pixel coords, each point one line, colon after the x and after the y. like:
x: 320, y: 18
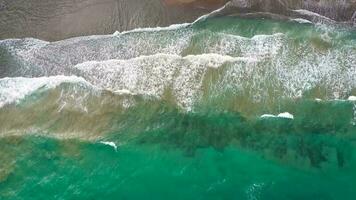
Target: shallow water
x: 190, y: 112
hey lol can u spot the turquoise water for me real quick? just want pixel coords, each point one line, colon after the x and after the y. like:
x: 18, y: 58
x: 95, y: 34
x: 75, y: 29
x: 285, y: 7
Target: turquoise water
x: 189, y: 113
x: 73, y: 169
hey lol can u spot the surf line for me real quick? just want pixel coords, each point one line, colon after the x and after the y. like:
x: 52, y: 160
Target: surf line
x: 112, y: 144
x: 173, y: 26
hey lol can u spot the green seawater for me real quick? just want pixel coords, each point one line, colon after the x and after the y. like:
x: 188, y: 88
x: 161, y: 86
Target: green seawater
x: 57, y: 142
x: 78, y: 170
x: 205, y: 155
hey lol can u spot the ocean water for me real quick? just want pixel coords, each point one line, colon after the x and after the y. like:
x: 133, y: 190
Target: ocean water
x: 224, y: 108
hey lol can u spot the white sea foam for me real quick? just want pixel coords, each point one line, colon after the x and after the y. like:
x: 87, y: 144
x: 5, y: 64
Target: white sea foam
x: 62, y: 106
x: 12, y: 90
x: 352, y: 98
x: 312, y: 14
x: 36, y: 58
x: 171, y: 27
x: 212, y: 13
x: 257, y: 47
x: 116, y: 33
x: 285, y: 115
x: 112, y: 144
x: 154, y: 29
x: 152, y: 75
x: 254, y: 191
x: 302, y: 21
x: 281, y: 115
x: 268, y: 116
x: 123, y: 92
x: 271, y: 66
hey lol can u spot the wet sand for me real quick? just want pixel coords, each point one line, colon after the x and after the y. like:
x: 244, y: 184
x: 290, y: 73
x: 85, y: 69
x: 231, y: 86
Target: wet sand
x: 61, y: 19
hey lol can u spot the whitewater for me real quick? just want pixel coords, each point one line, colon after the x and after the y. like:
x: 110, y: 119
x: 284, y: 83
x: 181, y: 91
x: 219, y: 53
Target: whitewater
x: 226, y: 107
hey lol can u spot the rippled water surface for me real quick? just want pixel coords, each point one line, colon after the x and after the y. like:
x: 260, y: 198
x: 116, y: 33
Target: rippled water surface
x: 224, y: 108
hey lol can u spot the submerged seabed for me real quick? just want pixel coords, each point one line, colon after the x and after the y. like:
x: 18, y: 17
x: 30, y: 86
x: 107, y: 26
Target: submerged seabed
x: 224, y: 108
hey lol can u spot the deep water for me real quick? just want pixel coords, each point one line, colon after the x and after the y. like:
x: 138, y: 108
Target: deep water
x: 225, y: 108
x: 51, y: 169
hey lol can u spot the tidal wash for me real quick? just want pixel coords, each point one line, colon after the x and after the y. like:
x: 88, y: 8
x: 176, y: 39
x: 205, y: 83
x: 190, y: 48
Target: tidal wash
x: 224, y: 108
